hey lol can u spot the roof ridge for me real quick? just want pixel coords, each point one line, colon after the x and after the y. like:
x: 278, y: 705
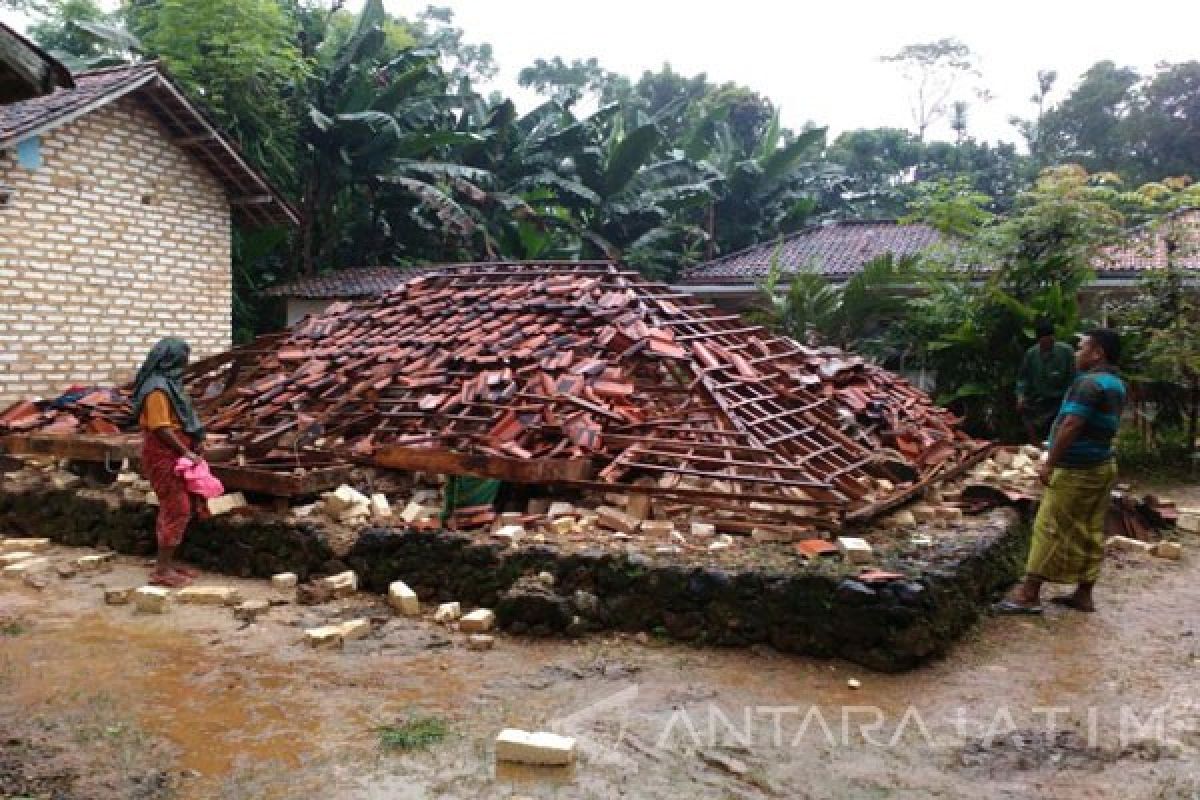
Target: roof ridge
x: 88, y: 73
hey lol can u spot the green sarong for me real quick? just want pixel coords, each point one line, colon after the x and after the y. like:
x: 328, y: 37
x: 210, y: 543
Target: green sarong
x: 1068, y: 533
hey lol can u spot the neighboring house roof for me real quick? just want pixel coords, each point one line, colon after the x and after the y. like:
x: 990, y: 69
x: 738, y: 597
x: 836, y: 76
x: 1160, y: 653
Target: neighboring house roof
x: 347, y: 283
x: 27, y: 70
x: 1146, y: 247
x: 254, y: 200
x: 835, y: 249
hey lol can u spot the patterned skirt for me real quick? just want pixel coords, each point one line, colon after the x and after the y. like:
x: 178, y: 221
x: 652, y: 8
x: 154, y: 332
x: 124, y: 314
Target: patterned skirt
x: 1068, y: 533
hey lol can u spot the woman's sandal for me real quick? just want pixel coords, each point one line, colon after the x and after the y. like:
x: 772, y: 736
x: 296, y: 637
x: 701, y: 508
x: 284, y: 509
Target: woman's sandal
x: 170, y: 580
x: 1010, y: 607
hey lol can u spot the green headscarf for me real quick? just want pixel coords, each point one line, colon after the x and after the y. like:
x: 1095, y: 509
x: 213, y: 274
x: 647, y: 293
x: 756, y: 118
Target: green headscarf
x: 163, y: 371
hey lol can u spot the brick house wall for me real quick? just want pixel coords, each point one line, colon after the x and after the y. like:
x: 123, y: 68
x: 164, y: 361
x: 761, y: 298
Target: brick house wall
x: 117, y: 239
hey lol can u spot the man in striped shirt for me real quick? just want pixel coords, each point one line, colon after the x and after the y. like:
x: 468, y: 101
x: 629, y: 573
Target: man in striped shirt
x: 1079, y: 473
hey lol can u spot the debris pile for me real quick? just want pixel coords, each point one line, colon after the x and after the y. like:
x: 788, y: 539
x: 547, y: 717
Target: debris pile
x: 588, y: 373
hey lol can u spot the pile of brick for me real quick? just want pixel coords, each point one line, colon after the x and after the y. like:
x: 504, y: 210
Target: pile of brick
x: 586, y: 361
x: 91, y: 410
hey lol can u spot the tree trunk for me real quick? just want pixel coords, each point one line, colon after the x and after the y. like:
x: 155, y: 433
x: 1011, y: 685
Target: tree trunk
x: 1194, y: 402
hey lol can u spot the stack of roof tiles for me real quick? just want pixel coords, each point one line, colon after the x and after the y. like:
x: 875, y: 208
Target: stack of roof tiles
x: 585, y: 361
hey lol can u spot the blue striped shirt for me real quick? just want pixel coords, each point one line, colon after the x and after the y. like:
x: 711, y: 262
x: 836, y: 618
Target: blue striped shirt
x: 1097, y: 397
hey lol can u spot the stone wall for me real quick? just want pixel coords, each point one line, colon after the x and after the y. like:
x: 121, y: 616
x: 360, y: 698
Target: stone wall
x: 820, y: 611
x: 117, y: 239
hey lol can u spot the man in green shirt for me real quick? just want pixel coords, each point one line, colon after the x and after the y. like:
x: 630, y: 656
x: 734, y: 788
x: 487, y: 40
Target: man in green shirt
x: 1045, y: 375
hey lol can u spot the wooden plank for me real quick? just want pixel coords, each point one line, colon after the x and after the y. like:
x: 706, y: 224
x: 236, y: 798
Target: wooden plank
x: 281, y: 484
x: 514, y: 470
x: 101, y: 448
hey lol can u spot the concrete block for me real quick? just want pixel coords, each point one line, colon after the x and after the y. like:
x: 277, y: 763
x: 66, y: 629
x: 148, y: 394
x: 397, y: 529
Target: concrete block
x: 95, y: 562
x: 403, y: 599
x: 209, y: 596
x: 480, y: 641
x: 509, y: 533
x: 1188, y: 522
x: 16, y: 557
x: 29, y: 545
x: 226, y: 503
x: 285, y: 580
x: 855, y: 551
x: 1129, y: 545
x: 380, y: 506
x: 616, y: 520
x: 481, y: 620
x: 722, y: 542
x: 563, y: 526
x: 344, y: 497
x: 902, y: 519
x: 122, y: 596
x: 251, y: 610
x: 326, y: 637
x: 355, y: 629
x: 341, y: 585
x: 447, y: 612
x: 21, y: 569
x: 1169, y: 550
x: 703, y: 529
x: 542, y: 749
x: 413, y: 512
x: 662, y: 528
x: 561, y: 509
x: 151, y: 599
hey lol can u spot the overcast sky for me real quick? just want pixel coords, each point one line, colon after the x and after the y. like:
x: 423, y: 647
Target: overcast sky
x: 820, y: 61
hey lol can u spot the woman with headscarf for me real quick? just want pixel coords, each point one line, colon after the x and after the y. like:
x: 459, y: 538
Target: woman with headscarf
x: 170, y: 431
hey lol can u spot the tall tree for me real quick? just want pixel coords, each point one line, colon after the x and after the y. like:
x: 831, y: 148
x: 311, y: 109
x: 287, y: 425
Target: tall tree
x: 1033, y: 130
x: 934, y: 70
x: 1089, y: 126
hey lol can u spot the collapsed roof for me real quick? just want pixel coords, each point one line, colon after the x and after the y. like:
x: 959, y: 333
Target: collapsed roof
x: 585, y: 363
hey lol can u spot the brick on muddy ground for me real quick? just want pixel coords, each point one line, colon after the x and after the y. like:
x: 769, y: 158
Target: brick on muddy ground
x: 119, y: 596
x: 535, y: 748
x: 355, y: 629
x: 509, y: 533
x: 341, y: 585
x: 380, y: 506
x: 284, y: 581
x: 481, y: 620
x: 151, y: 599
x: 1127, y: 544
x: 30, y: 545
x: 447, y: 612
x: 251, y: 610
x: 95, y: 562
x: 403, y: 599
x: 480, y: 641
x: 25, y: 567
x: 1172, y: 551
x: 703, y: 529
x: 209, y: 596
x: 326, y: 637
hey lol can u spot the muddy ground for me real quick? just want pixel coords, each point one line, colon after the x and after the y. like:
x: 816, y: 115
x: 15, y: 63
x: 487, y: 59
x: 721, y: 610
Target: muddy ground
x: 99, y: 702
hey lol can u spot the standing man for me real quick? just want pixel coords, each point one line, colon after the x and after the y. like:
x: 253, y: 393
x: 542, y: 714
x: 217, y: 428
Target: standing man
x: 1046, y: 372
x: 1079, y: 473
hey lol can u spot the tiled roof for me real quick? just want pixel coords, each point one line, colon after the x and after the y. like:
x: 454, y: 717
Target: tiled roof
x: 837, y: 249
x: 252, y: 197
x: 1146, y: 247
x: 347, y: 283
x: 19, y: 119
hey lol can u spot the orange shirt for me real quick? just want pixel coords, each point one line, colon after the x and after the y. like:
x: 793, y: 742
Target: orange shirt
x: 157, y: 412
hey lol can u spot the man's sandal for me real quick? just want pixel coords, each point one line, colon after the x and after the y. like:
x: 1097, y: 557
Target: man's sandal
x: 1013, y: 608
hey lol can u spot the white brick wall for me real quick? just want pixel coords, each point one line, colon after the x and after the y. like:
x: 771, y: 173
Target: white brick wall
x: 118, y: 239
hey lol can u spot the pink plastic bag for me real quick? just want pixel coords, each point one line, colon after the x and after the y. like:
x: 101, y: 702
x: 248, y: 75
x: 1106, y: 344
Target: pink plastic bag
x: 199, y: 478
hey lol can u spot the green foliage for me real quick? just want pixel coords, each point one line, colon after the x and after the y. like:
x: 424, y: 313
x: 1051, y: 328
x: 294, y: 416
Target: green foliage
x: 972, y: 327
x: 414, y: 733
x: 850, y: 316
x: 237, y: 57
x: 1165, y: 453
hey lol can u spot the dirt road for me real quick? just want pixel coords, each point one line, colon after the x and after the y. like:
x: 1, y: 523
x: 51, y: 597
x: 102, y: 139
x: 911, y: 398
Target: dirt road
x: 99, y: 702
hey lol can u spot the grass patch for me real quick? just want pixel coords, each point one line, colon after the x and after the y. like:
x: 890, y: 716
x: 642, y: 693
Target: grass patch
x: 11, y: 628
x: 415, y: 733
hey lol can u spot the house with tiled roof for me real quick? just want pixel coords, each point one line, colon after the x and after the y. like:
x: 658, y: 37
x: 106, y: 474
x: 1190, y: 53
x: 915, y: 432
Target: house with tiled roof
x: 118, y: 198
x: 312, y: 295
x: 839, y: 250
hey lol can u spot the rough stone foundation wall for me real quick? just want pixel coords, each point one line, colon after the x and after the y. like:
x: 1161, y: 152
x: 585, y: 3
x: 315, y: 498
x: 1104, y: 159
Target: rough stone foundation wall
x: 118, y: 238
x: 811, y: 611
